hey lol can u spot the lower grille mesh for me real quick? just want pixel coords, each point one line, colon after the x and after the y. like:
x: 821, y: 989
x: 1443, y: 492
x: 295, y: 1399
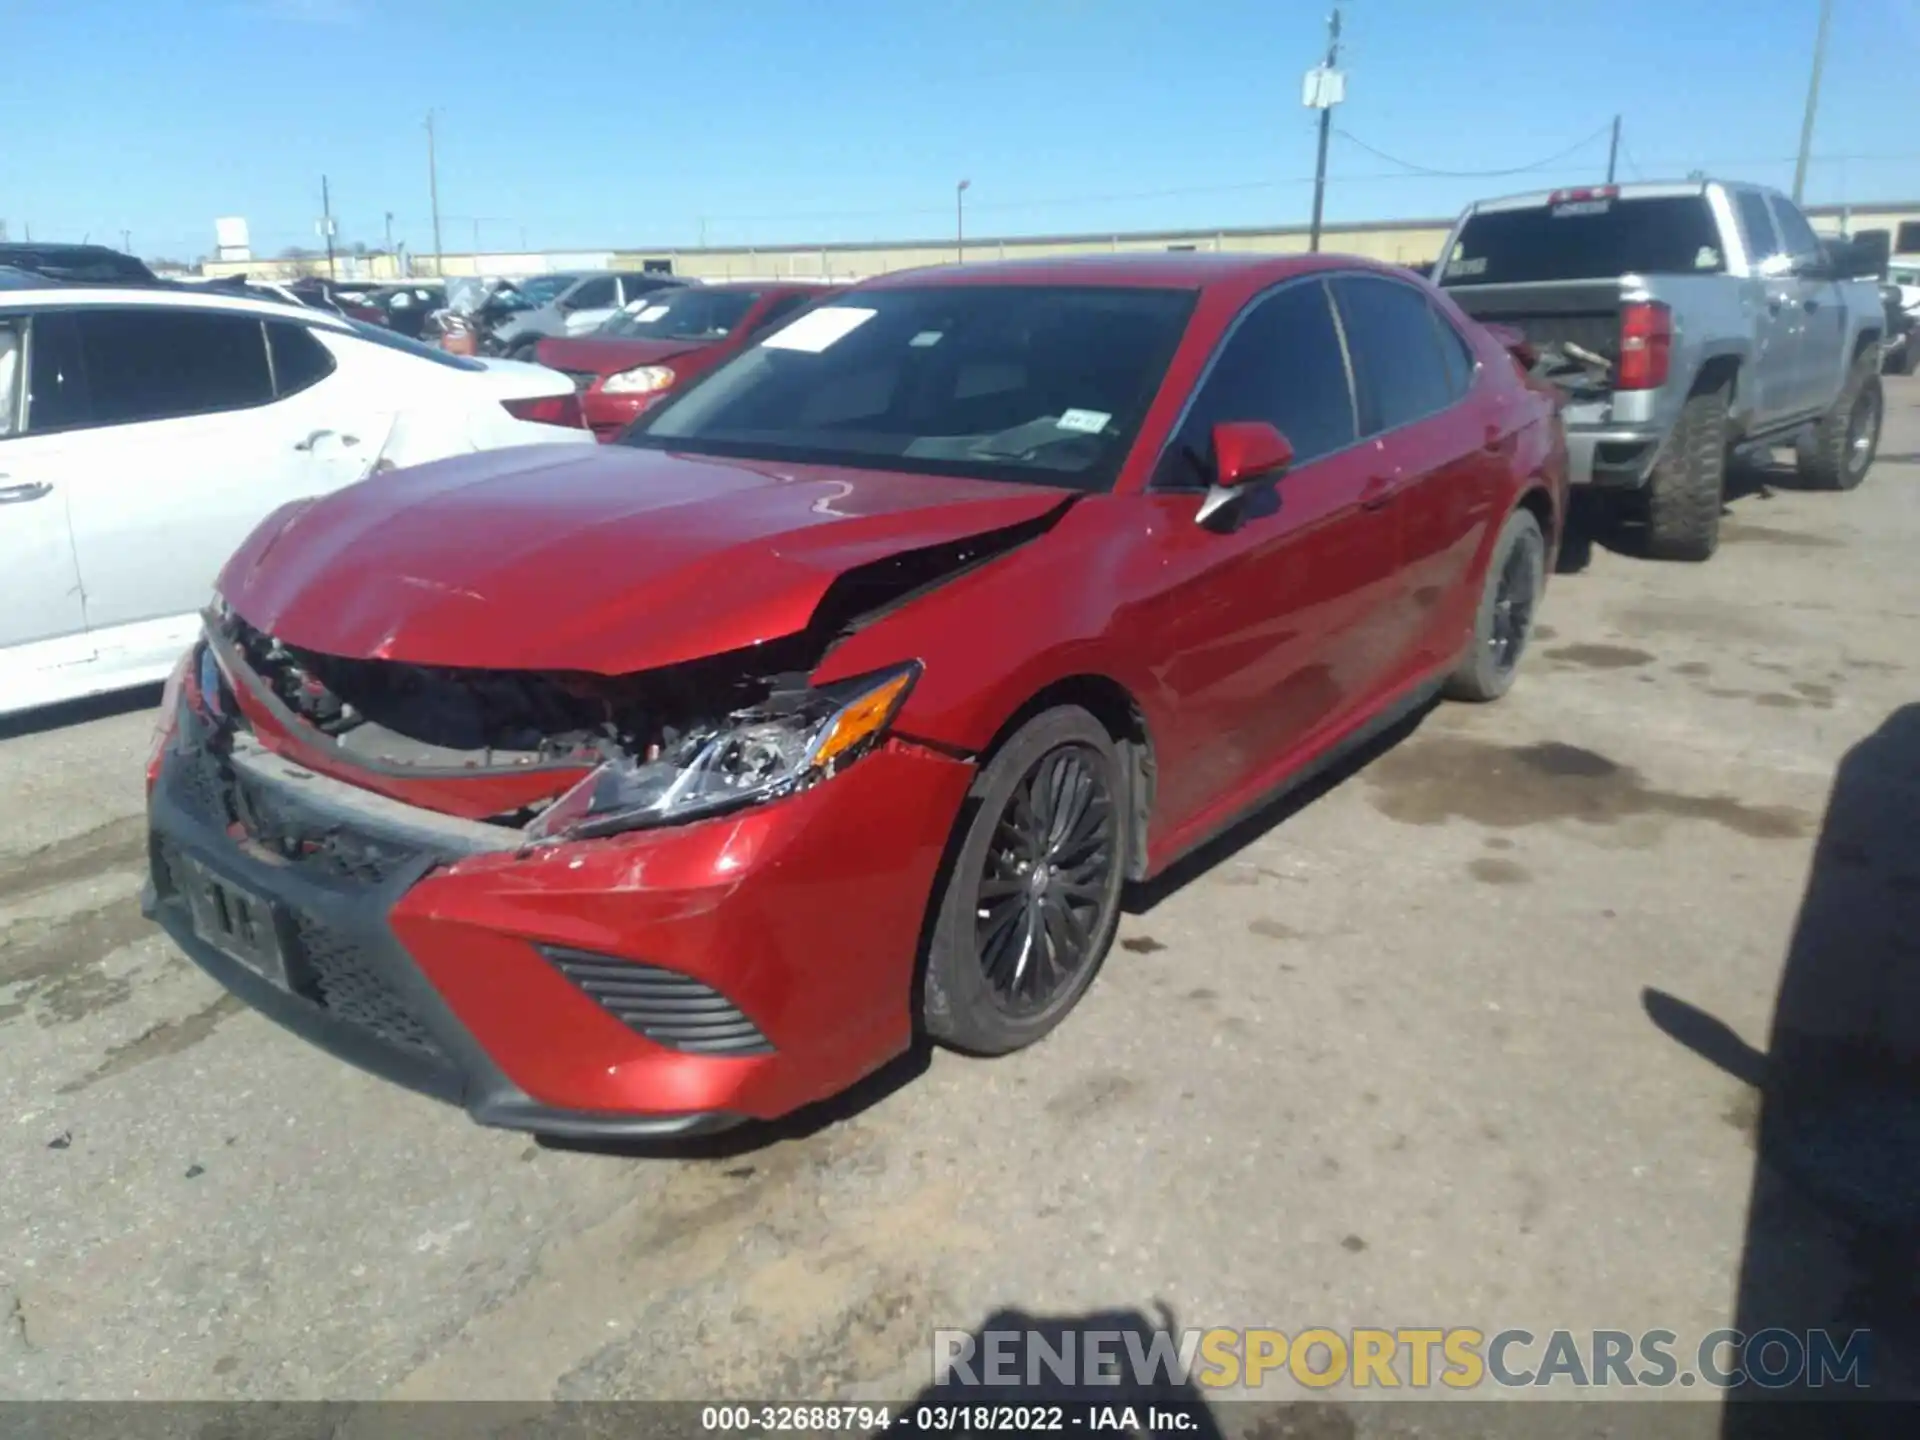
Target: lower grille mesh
x: 670, y: 1009
x: 353, y: 991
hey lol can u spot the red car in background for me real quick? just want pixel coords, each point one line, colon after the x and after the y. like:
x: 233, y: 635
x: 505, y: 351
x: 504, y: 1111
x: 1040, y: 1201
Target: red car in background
x: 657, y: 344
x: 641, y: 790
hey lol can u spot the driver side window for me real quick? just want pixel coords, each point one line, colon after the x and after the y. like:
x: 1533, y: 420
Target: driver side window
x: 1283, y: 364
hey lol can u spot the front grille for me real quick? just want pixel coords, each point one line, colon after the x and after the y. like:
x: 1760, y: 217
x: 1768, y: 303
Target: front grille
x: 340, y: 978
x: 670, y: 1009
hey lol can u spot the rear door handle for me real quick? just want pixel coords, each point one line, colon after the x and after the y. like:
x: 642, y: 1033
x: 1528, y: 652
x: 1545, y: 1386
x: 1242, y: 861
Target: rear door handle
x: 19, y: 494
x: 1378, y: 492
x: 1810, y: 304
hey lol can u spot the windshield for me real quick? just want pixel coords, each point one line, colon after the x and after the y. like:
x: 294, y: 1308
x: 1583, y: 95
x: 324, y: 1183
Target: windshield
x: 1587, y: 240
x: 684, y: 314
x: 1039, y: 384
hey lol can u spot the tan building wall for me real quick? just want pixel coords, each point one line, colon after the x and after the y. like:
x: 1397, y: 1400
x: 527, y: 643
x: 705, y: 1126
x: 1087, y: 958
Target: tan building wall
x: 1401, y: 242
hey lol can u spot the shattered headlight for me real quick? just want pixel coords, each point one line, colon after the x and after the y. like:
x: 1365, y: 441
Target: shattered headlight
x: 755, y: 755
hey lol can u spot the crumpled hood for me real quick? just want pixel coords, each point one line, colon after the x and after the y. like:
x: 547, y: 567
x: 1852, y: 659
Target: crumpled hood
x: 609, y: 561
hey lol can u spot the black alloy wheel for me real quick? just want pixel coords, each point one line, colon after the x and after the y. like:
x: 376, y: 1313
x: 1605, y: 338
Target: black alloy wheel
x: 1516, y: 595
x: 1509, y: 603
x: 1043, y: 885
x: 1031, y: 892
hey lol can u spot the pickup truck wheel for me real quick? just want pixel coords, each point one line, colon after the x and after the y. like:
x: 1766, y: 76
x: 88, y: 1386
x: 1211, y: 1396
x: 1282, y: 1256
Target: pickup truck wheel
x: 1688, y: 484
x: 1516, y: 576
x: 1841, y: 449
x: 1032, y: 897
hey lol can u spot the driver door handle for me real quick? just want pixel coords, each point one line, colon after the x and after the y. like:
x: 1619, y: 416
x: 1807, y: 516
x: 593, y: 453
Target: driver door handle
x: 19, y: 494
x: 317, y: 436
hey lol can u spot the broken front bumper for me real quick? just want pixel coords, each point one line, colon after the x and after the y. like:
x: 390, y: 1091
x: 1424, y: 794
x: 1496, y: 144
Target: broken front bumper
x: 662, y: 984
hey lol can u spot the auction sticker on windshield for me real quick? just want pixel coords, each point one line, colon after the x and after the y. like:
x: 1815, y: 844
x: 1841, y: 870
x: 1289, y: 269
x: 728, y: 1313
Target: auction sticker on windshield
x: 818, y: 329
x: 651, y: 313
x: 1087, y: 422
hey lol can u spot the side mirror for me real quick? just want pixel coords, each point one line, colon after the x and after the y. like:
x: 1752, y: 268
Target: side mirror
x: 1245, y: 452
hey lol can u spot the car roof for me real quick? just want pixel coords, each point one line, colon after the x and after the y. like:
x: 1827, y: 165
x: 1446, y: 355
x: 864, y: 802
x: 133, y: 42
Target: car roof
x: 1175, y: 270
x: 39, y: 291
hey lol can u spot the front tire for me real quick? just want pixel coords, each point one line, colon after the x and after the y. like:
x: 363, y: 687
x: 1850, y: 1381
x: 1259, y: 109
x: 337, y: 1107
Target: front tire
x: 1032, y: 898
x: 1688, y: 485
x: 1516, y: 577
x: 1845, y: 440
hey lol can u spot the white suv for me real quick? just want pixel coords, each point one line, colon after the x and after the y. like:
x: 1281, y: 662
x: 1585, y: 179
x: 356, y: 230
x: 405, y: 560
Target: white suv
x: 145, y: 430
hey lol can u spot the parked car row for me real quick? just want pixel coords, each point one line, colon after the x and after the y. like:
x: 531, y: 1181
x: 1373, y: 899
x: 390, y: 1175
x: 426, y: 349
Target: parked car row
x: 145, y: 429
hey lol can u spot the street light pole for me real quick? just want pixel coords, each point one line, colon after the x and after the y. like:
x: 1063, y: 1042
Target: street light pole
x: 433, y: 194
x: 1325, y: 88
x: 1813, y: 101
x: 960, y: 222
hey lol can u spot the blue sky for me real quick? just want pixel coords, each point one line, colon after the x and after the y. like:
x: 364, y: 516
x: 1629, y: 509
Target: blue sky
x: 590, y: 123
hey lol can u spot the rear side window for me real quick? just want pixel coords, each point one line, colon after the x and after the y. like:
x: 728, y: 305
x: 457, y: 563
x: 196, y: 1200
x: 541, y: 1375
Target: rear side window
x: 1756, y: 222
x: 163, y: 364
x: 13, y: 349
x: 1397, y: 361
x: 299, y: 359
x: 1586, y: 240
x: 1282, y: 364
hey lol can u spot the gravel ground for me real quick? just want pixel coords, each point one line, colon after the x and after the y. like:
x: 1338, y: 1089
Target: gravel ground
x: 1468, y: 1037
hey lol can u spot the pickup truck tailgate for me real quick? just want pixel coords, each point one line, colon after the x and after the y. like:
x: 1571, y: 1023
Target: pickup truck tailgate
x: 1584, y: 312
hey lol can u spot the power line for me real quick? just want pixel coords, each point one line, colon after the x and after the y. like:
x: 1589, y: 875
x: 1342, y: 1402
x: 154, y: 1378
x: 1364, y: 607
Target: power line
x: 1423, y: 170
x: 1626, y: 153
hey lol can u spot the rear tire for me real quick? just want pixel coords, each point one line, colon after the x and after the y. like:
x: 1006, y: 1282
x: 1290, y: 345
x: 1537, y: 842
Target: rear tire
x: 1009, y: 955
x: 1847, y: 438
x: 1688, y: 485
x: 1509, y: 601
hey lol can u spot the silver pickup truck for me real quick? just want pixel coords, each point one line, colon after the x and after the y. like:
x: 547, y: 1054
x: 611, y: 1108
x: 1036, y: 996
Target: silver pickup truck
x: 1685, y: 322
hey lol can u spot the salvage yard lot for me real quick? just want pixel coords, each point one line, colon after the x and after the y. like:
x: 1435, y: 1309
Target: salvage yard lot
x: 1389, y: 1061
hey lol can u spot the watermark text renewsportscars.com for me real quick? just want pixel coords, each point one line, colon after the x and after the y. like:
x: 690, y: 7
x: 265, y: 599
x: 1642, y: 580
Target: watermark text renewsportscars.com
x: 1403, y: 1358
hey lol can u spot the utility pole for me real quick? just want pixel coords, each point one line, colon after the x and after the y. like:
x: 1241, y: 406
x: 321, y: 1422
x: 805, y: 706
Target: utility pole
x: 126, y: 242
x: 1813, y: 101
x: 433, y: 193
x: 326, y: 226
x: 960, y: 222
x: 389, y: 232
x: 1613, y: 150
x: 1325, y: 88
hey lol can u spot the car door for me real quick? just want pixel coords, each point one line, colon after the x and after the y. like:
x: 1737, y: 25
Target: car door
x: 44, y: 607
x: 1820, y: 346
x: 334, y: 417
x: 1266, y: 624
x: 1772, y: 304
x: 1442, y: 454
x: 590, y: 304
x: 188, y: 451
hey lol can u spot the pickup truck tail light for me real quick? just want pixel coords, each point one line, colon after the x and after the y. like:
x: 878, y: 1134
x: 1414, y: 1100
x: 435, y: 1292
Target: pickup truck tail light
x: 549, y: 410
x: 1646, y: 346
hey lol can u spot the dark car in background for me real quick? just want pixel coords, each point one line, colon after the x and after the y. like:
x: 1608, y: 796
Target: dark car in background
x: 660, y: 342
x: 644, y: 788
x: 76, y: 264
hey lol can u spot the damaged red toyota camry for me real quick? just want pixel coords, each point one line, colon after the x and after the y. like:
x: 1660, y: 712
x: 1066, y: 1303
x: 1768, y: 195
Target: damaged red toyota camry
x: 639, y: 791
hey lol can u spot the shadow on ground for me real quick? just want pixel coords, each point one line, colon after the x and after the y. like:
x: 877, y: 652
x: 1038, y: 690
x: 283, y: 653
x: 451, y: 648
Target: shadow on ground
x: 1833, y: 1223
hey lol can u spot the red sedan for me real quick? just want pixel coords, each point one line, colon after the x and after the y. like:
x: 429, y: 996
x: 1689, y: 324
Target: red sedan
x: 656, y: 345
x: 639, y: 791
